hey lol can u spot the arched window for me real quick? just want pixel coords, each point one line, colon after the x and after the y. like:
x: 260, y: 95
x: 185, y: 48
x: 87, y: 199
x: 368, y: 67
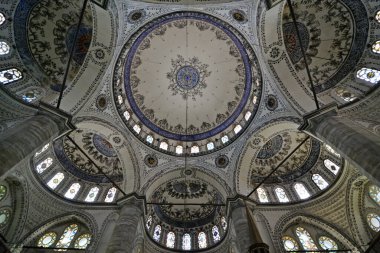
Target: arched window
x: 42, y: 166
x: 170, y: 240
x: 289, y: 243
x: 4, y: 48
x: 44, y: 148
x: 164, y: 145
x: 91, y: 196
x: 223, y: 222
x: 374, y: 193
x: 263, y: 197
x: 194, y: 149
x: 5, y: 214
x: 186, y: 242
x: 179, y: 149
x: 327, y: 243
x: 247, y: 115
x: 332, y: 151
x: 10, y: 75
x: 224, y: 139
x: 281, y: 195
x: 47, y: 240
x: 2, y: 18
x: 210, y: 146
x: 374, y: 221
x: 82, y: 241
x: 72, y: 191
x: 110, y: 195
x: 157, y: 233
x: 377, y: 17
x: 56, y: 180
x: 127, y: 115
x: 237, y: 129
x: 202, y: 240
x: 137, y: 128
x: 149, y: 222
x: 215, y: 234
x: 320, y: 181
x: 3, y: 192
x: 301, y: 191
x: 369, y: 75
x: 68, y: 235
x: 149, y: 139
x: 334, y: 168
x: 305, y: 239
x: 376, y: 47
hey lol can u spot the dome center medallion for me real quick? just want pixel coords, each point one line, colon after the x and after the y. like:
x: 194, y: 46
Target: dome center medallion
x: 187, y: 77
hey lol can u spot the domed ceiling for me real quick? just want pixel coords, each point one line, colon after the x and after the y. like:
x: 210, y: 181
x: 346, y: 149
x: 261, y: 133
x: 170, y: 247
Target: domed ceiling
x: 44, y: 34
x: 187, y: 79
x: 182, y: 192
x: 96, y: 147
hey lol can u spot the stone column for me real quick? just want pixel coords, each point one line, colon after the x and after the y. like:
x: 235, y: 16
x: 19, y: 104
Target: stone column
x: 247, y: 235
x: 356, y: 144
x: 126, y: 229
x: 25, y: 138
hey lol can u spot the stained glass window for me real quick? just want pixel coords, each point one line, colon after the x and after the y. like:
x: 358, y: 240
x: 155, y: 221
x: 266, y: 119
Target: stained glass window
x: 110, y: 195
x: 289, y: 243
x: 186, y: 242
x: 157, y: 233
x: 42, y: 166
x: 224, y: 139
x: 91, y: 196
x: 374, y: 193
x: 3, y: 191
x: 47, y: 240
x: 72, y: 191
x: 170, y: 240
x: 4, y: 48
x: 4, y: 217
x: 10, y: 75
x: 301, y: 191
x: 44, y: 148
x: 164, y: 145
x: 327, y: 243
x: 237, y: 129
x: 149, y: 139
x: 68, y: 235
x: 332, y: 151
x: 2, y: 18
x: 374, y: 221
x: 179, y: 149
x: 377, y: 17
x: 202, y: 240
x: 223, y: 222
x: 320, y: 181
x: 210, y: 146
x: 194, y: 149
x: 215, y: 234
x: 83, y: 241
x: 263, y: 198
x: 345, y: 94
x: 149, y: 222
x: 369, y: 75
x: 376, y: 47
x: 56, y: 180
x: 305, y: 239
x: 334, y: 168
x: 281, y: 194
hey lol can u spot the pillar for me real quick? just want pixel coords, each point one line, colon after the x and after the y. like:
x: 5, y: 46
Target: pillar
x: 356, y: 144
x: 126, y: 229
x: 23, y: 139
x: 248, y: 237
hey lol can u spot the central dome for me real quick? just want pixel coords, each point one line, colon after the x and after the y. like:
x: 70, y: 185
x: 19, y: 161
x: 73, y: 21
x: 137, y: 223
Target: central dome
x: 187, y: 77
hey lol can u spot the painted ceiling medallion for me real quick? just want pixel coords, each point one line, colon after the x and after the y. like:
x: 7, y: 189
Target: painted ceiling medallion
x: 187, y: 77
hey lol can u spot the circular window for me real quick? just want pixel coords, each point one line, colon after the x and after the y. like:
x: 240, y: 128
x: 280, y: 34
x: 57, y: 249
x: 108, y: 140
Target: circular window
x: 3, y: 191
x: 47, y: 240
x: 2, y: 18
x: 374, y: 221
x: 4, y: 217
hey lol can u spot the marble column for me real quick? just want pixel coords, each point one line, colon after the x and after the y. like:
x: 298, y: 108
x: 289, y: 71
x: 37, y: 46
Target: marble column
x: 248, y: 237
x: 355, y: 143
x: 25, y: 138
x: 124, y: 235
